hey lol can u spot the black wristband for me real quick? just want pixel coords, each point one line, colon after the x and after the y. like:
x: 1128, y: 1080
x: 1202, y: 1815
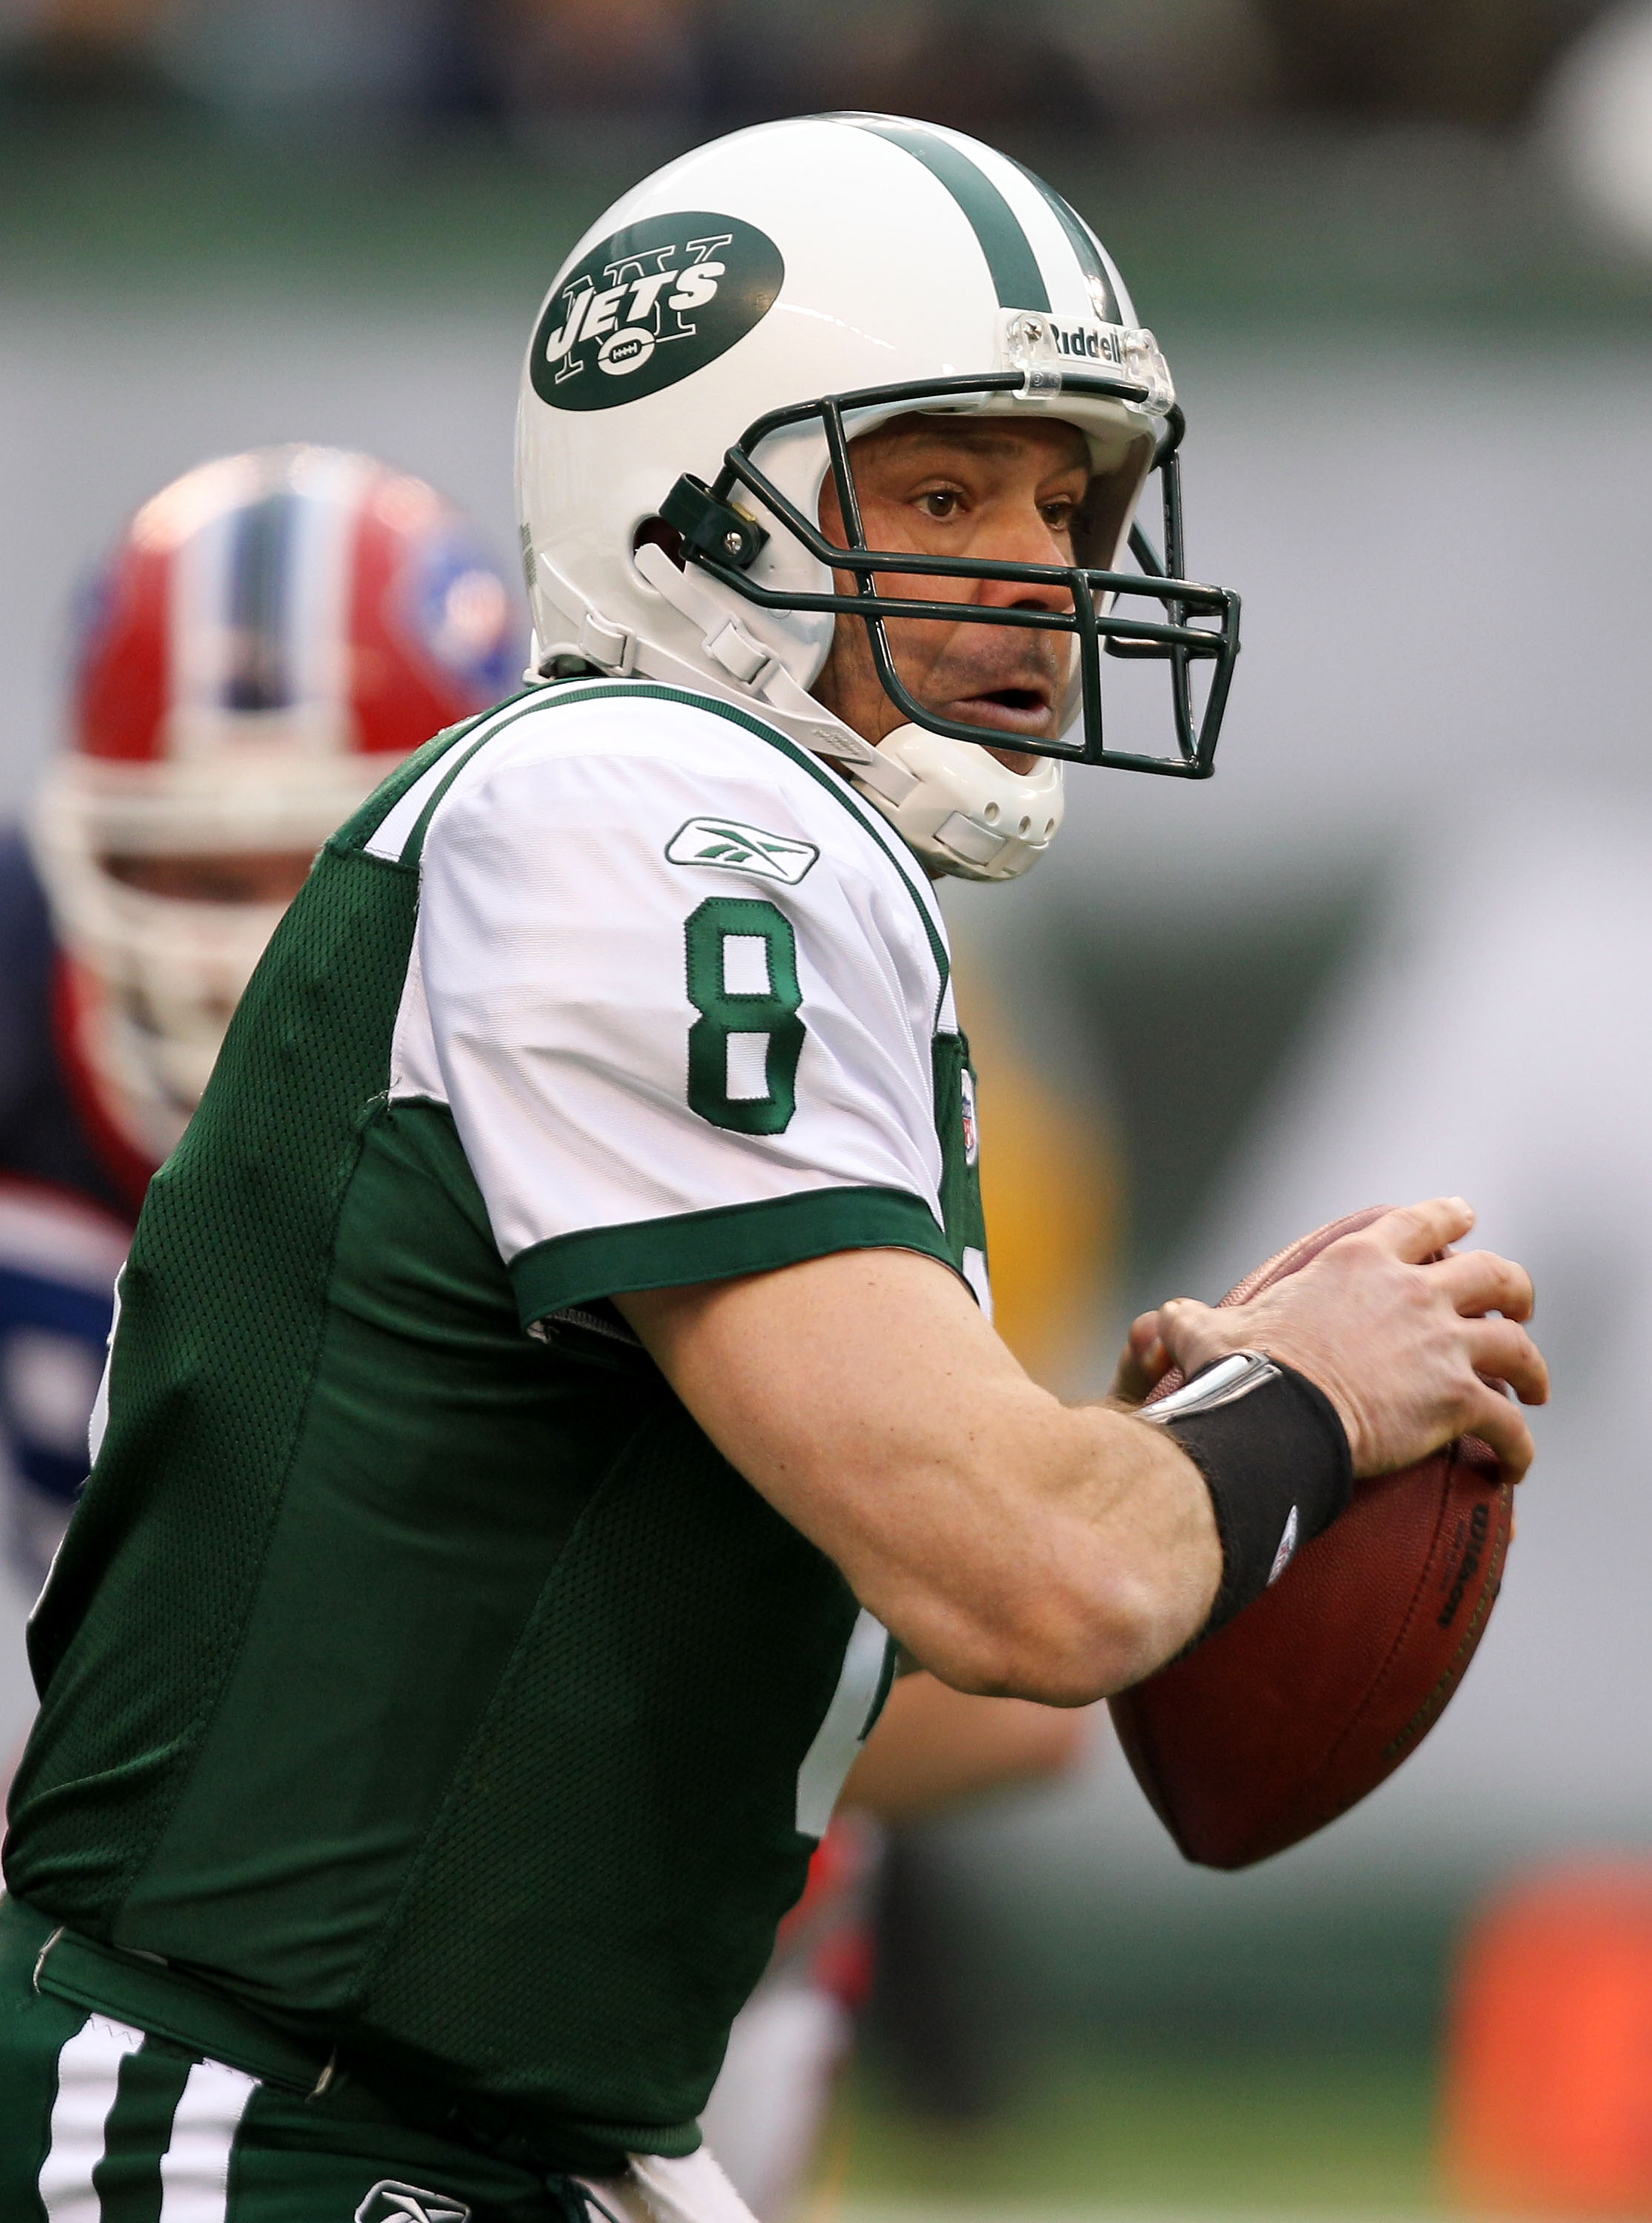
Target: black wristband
x: 1274, y: 1455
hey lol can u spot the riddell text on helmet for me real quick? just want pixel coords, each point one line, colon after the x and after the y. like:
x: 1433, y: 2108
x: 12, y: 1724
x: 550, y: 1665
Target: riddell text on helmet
x: 648, y: 306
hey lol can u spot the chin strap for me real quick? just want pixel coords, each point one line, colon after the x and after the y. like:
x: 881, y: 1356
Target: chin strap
x: 953, y: 802
x: 753, y: 670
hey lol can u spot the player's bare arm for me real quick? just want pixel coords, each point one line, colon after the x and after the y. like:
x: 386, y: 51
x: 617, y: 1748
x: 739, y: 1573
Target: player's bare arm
x: 1015, y: 1545
x: 1019, y: 1545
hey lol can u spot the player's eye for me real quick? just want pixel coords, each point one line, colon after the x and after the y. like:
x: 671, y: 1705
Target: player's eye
x: 940, y: 502
x: 1059, y: 515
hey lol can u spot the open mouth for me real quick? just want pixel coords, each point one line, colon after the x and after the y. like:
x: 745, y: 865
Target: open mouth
x: 1006, y: 709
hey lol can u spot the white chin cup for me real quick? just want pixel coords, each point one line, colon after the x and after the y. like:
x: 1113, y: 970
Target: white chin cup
x: 164, y: 976
x: 964, y: 812
x: 169, y: 974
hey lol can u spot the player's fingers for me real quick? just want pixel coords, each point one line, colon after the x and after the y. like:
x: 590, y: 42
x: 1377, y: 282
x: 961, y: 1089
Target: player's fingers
x: 1417, y: 1231
x: 1502, y: 1348
x: 1190, y: 1333
x: 1144, y: 1334
x: 1480, y: 1281
x: 1143, y: 1361
x: 1497, y: 1422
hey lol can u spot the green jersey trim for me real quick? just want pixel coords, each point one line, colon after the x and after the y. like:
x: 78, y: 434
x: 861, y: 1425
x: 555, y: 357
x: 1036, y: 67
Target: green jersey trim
x: 576, y: 690
x: 412, y: 850
x: 360, y: 828
x: 715, y: 1244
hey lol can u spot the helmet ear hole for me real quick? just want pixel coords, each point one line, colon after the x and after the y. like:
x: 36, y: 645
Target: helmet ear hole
x: 655, y: 533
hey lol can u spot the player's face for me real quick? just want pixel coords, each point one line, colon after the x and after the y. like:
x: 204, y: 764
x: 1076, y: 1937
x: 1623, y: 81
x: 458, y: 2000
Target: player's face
x: 263, y: 876
x: 990, y: 487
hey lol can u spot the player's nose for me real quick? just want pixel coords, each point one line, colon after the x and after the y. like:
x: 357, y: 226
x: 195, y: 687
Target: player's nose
x: 1019, y: 534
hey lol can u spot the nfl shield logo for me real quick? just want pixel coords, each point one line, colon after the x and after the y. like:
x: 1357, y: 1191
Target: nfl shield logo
x: 971, y: 1139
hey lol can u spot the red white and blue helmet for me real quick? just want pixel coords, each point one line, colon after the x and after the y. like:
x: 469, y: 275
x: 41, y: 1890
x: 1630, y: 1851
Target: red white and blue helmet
x: 273, y: 633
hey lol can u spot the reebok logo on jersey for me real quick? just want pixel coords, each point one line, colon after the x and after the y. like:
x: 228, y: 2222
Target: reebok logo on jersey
x: 406, y: 2203
x: 650, y: 305
x: 736, y: 848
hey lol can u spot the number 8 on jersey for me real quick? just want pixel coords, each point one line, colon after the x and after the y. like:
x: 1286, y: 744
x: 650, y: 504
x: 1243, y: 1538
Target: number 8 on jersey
x: 743, y: 1048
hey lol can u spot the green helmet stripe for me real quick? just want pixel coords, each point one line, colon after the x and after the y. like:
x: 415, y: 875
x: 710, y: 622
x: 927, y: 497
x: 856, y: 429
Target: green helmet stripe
x: 1082, y: 242
x: 1010, y: 259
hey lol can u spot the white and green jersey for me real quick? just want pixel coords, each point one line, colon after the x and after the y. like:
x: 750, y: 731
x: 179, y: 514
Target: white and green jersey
x: 414, y: 1673
x: 679, y: 990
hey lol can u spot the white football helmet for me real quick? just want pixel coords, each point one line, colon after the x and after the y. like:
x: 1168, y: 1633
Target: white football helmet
x: 704, y: 358
x: 273, y: 633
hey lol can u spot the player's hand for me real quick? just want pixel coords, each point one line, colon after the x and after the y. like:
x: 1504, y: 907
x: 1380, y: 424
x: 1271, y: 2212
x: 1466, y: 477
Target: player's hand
x: 1411, y: 1347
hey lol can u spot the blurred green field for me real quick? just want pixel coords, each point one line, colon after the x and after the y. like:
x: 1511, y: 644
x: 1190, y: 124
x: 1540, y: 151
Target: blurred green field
x: 1446, y: 231
x: 1334, y: 2129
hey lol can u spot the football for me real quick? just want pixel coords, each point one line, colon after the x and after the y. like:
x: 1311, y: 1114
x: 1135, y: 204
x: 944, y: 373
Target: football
x: 1320, y: 1687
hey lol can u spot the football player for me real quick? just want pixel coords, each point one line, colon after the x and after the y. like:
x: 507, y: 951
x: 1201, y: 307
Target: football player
x: 353, y: 604
x: 275, y: 631
x: 554, y: 1385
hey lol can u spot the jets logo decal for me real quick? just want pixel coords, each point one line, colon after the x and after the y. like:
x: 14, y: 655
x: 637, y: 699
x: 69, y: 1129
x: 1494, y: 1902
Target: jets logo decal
x: 650, y: 305
x: 406, y: 2203
x: 733, y: 847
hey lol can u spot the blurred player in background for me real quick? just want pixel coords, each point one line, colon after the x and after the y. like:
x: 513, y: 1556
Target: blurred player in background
x: 275, y: 631
x: 933, y: 1749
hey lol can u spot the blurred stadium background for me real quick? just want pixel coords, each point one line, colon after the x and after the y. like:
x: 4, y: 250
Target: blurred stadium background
x: 1399, y: 253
